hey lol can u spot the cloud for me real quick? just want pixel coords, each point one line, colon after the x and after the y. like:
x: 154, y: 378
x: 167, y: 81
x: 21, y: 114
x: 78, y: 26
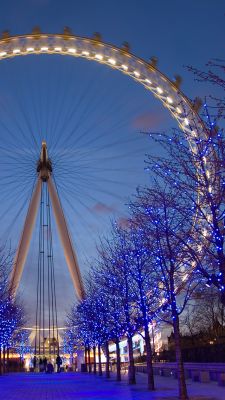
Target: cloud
x: 103, y: 208
x: 123, y: 222
x: 149, y: 120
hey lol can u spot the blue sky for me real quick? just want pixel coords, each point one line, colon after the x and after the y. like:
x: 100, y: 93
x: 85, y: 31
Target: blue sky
x: 177, y: 32
x: 39, y: 93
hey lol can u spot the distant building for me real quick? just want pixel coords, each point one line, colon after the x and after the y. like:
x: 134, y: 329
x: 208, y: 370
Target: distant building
x: 159, y: 342
x: 205, y: 346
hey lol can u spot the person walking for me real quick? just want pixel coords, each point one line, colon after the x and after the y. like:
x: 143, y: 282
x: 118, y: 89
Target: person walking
x: 58, y: 363
x: 45, y: 361
x: 49, y: 368
x: 40, y: 365
x: 34, y: 363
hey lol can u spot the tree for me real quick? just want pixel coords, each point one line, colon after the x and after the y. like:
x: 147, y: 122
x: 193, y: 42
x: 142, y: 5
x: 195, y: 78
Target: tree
x: 12, y: 314
x: 106, y: 273
x: 87, y: 323
x: 161, y: 216
x: 205, y: 315
x: 69, y: 340
x: 142, y: 286
x: 195, y: 165
x: 119, y: 268
x: 98, y: 313
x: 199, y: 175
x: 21, y: 343
x: 213, y: 76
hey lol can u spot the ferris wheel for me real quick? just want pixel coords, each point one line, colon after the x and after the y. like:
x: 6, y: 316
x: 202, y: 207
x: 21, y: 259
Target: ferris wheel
x: 56, y: 157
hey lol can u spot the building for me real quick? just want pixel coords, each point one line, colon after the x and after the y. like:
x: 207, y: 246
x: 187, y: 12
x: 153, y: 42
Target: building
x: 159, y: 342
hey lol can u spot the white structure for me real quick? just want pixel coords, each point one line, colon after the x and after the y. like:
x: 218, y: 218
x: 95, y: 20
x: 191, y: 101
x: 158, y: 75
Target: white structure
x: 44, y: 171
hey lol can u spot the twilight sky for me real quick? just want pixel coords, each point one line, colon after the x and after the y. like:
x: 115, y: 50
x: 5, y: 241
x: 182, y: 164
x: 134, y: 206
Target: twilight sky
x: 91, y: 116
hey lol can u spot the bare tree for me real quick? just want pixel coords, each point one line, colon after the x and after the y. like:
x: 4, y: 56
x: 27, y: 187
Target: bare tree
x: 12, y: 313
x: 114, y: 320
x: 205, y: 315
x: 116, y: 269
x: 160, y: 214
x: 138, y: 260
x: 195, y: 165
x: 214, y: 75
x: 198, y: 174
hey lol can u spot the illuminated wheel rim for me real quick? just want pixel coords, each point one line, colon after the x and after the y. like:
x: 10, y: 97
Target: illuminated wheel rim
x: 179, y: 106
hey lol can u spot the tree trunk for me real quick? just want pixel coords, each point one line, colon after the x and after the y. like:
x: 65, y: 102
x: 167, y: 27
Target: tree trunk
x: 89, y: 359
x: 150, y: 376
x: 7, y: 359
x: 180, y: 366
x: 118, y: 367
x: 94, y: 353
x: 86, y: 357
x: 131, y: 371
x: 222, y: 270
x: 99, y: 361
x: 107, y: 360
x: 3, y: 359
x: 0, y: 361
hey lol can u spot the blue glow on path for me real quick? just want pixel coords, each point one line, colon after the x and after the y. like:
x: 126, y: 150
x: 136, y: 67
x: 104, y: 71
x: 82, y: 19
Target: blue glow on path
x: 69, y: 386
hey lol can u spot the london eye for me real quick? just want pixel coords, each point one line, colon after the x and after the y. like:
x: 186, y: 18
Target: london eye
x: 69, y: 150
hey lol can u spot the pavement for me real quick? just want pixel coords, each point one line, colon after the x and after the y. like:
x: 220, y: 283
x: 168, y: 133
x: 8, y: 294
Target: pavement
x: 84, y: 386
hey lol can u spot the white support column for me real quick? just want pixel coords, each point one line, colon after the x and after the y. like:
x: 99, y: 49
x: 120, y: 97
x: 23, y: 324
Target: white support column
x: 66, y: 241
x: 22, y: 251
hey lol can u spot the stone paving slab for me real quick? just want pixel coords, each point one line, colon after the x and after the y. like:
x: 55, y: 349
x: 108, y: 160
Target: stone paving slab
x: 70, y: 386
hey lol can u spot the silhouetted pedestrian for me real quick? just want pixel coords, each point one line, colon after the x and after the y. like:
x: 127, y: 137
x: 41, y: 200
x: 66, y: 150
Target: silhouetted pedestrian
x: 45, y: 361
x: 58, y: 362
x: 49, y: 368
x: 40, y: 365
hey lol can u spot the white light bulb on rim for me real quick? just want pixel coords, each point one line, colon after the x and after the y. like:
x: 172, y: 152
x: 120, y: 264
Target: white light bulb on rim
x: 186, y: 122
x: 148, y: 81
x: 137, y: 74
x: 170, y: 101
x: 16, y: 51
x: 30, y: 49
x: 125, y: 67
x: 178, y: 110
x: 44, y: 48
x: 72, y: 50
x: 58, y: 49
x: 85, y: 53
x: 3, y: 53
x: 159, y: 90
x: 99, y: 56
x: 112, y: 61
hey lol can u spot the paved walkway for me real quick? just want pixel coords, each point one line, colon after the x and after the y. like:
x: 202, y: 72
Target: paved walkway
x: 77, y: 386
